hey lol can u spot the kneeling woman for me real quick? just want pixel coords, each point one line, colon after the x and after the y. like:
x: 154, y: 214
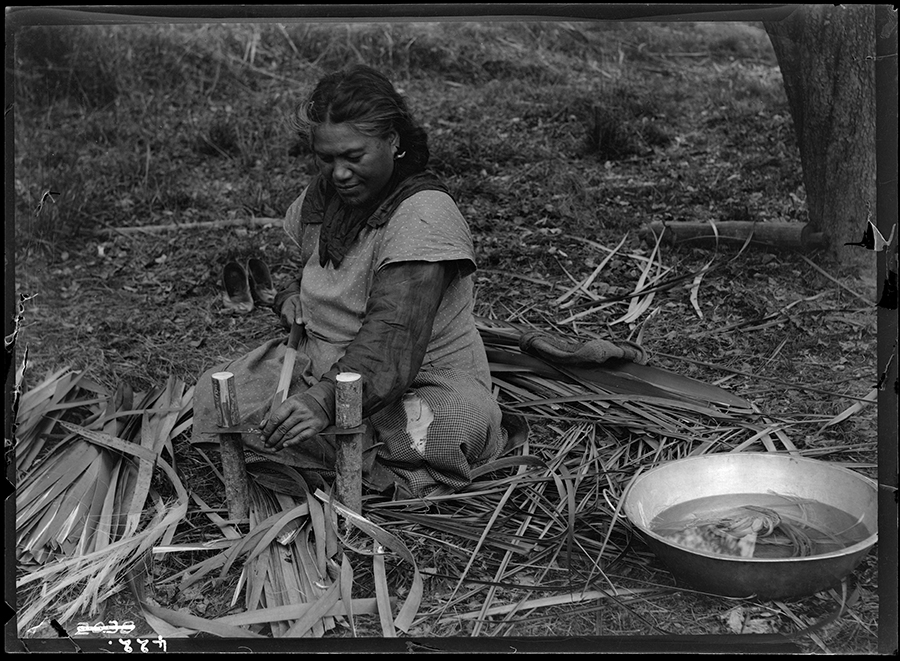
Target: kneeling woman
x: 385, y: 291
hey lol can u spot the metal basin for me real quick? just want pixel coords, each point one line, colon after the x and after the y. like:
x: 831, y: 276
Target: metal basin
x: 676, y: 482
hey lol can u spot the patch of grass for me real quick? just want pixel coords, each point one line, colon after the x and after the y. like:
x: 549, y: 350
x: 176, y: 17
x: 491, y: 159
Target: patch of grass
x: 612, y: 137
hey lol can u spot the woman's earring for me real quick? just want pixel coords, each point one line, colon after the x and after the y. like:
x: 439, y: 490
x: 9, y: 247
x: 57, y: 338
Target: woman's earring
x: 397, y: 157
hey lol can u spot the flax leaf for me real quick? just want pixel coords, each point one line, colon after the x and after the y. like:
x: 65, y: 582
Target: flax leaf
x: 381, y: 594
x: 183, y: 620
x: 316, y: 612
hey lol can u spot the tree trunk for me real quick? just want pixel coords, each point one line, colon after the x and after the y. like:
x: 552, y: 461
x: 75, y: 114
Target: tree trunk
x: 826, y: 55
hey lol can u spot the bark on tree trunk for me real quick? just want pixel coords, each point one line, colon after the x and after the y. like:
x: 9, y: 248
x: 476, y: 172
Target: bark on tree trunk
x: 826, y: 55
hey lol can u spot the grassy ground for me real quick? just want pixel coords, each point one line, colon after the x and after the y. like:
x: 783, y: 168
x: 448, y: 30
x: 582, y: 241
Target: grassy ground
x: 556, y: 139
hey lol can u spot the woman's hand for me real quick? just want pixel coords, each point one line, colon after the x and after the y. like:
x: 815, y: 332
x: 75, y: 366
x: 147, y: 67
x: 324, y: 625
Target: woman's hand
x: 290, y: 312
x: 298, y: 419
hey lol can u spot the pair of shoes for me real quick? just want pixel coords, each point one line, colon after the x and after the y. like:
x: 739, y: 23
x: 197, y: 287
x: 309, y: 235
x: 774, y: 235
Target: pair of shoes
x: 245, y: 287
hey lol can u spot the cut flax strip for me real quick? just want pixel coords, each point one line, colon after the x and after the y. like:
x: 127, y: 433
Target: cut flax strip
x: 585, y: 286
x: 636, y: 306
x: 695, y: 285
x: 852, y: 409
x: 559, y: 600
x: 294, y: 612
x: 382, y: 592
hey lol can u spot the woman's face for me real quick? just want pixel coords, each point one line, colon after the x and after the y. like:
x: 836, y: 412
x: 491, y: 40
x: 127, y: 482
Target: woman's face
x: 359, y: 166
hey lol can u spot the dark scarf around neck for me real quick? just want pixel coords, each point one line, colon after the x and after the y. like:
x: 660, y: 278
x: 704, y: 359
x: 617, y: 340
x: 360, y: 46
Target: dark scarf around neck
x: 342, y: 223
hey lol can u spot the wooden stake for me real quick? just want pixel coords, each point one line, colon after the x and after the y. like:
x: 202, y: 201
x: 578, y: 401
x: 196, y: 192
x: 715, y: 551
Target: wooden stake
x: 234, y: 471
x: 348, y: 414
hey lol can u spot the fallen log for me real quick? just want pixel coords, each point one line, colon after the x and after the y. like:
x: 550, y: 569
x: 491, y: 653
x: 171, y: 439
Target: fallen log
x: 797, y: 236
x: 230, y: 222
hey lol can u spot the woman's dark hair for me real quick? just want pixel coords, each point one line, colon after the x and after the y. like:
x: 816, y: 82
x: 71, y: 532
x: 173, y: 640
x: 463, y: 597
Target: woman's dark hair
x: 364, y: 98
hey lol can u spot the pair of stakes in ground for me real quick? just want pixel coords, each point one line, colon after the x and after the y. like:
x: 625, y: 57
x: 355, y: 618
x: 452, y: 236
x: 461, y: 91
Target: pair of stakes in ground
x: 349, y: 429
x: 247, y: 286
